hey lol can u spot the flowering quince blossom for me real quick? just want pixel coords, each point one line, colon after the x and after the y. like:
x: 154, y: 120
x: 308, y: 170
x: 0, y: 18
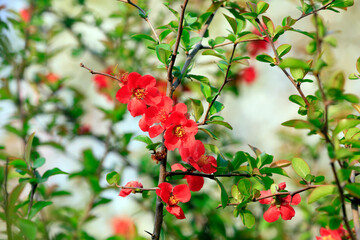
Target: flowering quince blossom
x: 138, y: 92
x: 248, y: 75
x: 125, y: 192
x: 328, y: 234
x: 195, y: 156
x: 254, y: 47
x: 195, y: 182
x: 180, y: 131
x: 52, y: 77
x: 279, y: 205
x: 102, y: 81
x: 124, y: 226
x: 25, y: 15
x: 172, y: 196
x: 159, y: 114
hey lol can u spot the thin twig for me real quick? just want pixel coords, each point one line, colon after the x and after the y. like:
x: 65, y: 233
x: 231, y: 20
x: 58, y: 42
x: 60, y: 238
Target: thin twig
x: 137, y: 188
x: 99, y: 73
x: 315, y: 11
x: 210, y: 176
x: 297, y: 86
x: 145, y: 17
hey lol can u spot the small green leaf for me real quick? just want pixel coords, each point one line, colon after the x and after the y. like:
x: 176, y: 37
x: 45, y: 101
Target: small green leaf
x: 247, y: 218
x: 232, y: 23
x: 265, y: 58
x: 216, y: 107
x: 346, y: 124
x: 52, y: 172
x: 269, y: 25
x: 212, y: 135
x: 353, y: 189
x: 197, y: 107
x: 28, y: 149
x: 28, y: 228
x: 321, y: 192
x: 342, y: 3
x: 245, y: 187
x: 144, y: 139
x: 299, y: 124
x: 283, y: 49
x: 261, y: 7
x: 358, y: 64
x: 294, y: 63
x: 224, y: 195
x: 37, y: 207
x: 235, y: 192
x: 297, y: 73
x: 213, y: 53
x: 113, y: 178
x: 163, y: 52
x: 245, y: 37
x: 298, y: 100
x: 225, y: 124
x: 143, y: 36
x: 39, y: 162
x: 300, y: 167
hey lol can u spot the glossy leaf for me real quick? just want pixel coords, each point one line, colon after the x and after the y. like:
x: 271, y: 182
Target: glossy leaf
x: 247, y: 218
x: 346, y: 124
x: 298, y: 100
x: 224, y: 195
x: 261, y: 7
x: 113, y: 178
x: 197, y: 107
x: 298, y: 124
x: 144, y: 139
x: 222, y: 123
x: 39, y: 162
x: 280, y: 164
x: 283, y: 49
x: 37, y: 207
x: 294, y: 63
x: 248, y: 37
x: 353, y: 189
x: 321, y: 192
x: 265, y: 58
x: 232, y: 23
x: 300, y: 167
x: 143, y: 36
x: 28, y: 149
x: 28, y: 228
x: 269, y: 25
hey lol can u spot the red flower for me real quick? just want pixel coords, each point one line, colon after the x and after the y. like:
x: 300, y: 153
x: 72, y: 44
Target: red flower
x: 125, y: 191
x: 139, y: 92
x: 124, y: 227
x: 25, y: 15
x: 52, y: 78
x: 180, y: 193
x: 248, y: 75
x: 180, y: 131
x: 254, y: 47
x: 159, y: 114
x: 328, y: 234
x: 84, y: 129
x: 195, y: 156
x: 195, y: 182
x: 279, y: 205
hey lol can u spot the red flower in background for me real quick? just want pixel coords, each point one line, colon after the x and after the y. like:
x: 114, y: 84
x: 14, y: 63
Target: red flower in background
x: 195, y: 182
x: 254, y: 47
x: 125, y: 191
x: 248, y: 75
x: 124, y: 227
x: 195, y: 156
x: 180, y: 131
x: 328, y: 234
x: 84, y: 129
x: 138, y: 93
x: 279, y: 206
x: 52, y: 78
x: 25, y: 15
x: 180, y: 193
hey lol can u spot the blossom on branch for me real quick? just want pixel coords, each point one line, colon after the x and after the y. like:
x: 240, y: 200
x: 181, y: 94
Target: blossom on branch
x: 180, y: 131
x: 172, y: 196
x: 195, y: 156
x: 139, y: 93
x: 328, y: 234
x: 279, y: 205
x: 195, y: 182
x: 124, y: 227
x: 254, y: 47
x: 126, y: 191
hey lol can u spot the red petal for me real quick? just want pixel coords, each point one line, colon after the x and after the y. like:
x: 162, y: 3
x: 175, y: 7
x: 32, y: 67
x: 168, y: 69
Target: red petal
x: 136, y: 107
x: 282, y: 185
x: 155, y: 131
x: 180, y: 107
x: 152, y: 96
x: 164, y: 191
x: 195, y: 182
x: 143, y: 124
x: 272, y: 214
x: 123, y: 95
x: 182, y: 193
x: 125, y: 192
x: 287, y: 212
x: 176, y: 210
x: 177, y: 166
x: 265, y: 200
x: 147, y: 81
x: 132, y: 80
x: 296, y: 199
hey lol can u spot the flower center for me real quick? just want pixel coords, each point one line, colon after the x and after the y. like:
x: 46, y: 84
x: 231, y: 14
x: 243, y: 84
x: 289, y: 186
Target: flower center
x: 203, y: 160
x: 139, y: 93
x: 173, y: 201
x: 163, y: 116
x: 328, y: 238
x: 179, y: 131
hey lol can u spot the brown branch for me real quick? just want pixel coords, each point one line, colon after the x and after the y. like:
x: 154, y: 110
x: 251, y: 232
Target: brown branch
x: 137, y: 188
x: 177, y: 43
x: 99, y: 73
x: 296, y: 85
x: 315, y: 11
x: 144, y: 17
x: 221, y: 88
x: 210, y: 176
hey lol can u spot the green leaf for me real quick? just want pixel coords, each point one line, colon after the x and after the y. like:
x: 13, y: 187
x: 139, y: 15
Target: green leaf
x: 216, y: 107
x: 52, y: 172
x: 346, y: 124
x: 39, y: 162
x: 321, y: 192
x: 14, y: 196
x: 18, y: 163
x: 247, y: 218
x: 212, y: 135
x: 197, y: 107
x: 283, y: 49
x: 245, y: 187
x: 28, y: 149
x: 163, y: 52
x: 143, y: 36
x: 225, y: 124
x: 164, y: 34
x: 299, y: 124
x: 294, y: 63
x: 113, y: 178
x: 300, y: 167
x: 28, y: 228
x: 265, y: 58
x: 199, y: 78
x: 206, y: 91
x: 239, y: 158
x: 358, y: 64
x: 342, y: 3
x: 224, y: 195
x: 37, y: 207
x: 213, y: 53
x: 261, y: 7
x: 232, y: 23
x: 245, y: 37
x: 269, y: 25
x: 298, y: 100
x: 297, y: 73
x: 353, y: 189
x: 144, y: 139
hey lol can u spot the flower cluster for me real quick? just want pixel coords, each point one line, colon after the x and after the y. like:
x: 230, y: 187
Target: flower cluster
x: 159, y: 114
x: 337, y: 234
x: 279, y: 205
